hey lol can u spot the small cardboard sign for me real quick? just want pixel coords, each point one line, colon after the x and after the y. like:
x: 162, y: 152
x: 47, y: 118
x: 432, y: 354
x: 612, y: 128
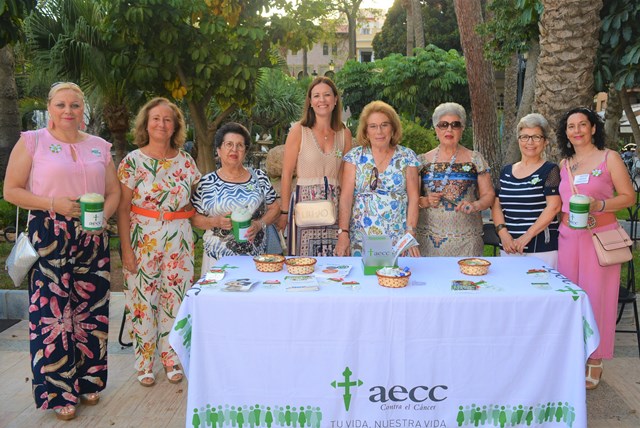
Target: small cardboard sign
x: 377, y: 252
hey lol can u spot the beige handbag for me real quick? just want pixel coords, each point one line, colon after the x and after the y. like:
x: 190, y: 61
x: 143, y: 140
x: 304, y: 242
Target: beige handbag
x: 612, y: 246
x: 316, y: 213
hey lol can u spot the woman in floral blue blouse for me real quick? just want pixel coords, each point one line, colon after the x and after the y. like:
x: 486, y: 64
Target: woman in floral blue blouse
x: 379, y: 183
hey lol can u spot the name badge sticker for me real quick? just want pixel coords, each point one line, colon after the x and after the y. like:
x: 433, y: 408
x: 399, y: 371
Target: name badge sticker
x: 581, y: 179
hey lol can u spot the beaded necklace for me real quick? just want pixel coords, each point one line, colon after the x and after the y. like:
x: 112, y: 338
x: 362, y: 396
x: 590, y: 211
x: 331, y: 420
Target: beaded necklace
x: 447, y: 172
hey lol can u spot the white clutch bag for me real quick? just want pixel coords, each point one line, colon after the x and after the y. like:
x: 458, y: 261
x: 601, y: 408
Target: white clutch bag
x: 21, y: 259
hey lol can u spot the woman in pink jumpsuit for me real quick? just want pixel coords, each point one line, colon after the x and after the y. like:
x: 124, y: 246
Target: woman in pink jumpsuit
x: 590, y: 169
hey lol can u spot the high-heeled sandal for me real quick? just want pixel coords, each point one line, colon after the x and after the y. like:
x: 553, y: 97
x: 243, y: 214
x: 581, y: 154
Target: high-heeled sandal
x: 90, y: 399
x: 65, y: 413
x: 146, y: 378
x: 593, y: 382
x: 175, y: 375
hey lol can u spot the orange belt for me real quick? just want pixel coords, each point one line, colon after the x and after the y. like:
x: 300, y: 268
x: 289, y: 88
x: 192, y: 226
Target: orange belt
x: 600, y: 220
x: 164, y: 215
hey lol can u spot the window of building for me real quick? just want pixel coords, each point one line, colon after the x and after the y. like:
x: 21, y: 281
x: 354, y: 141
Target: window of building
x: 325, y: 49
x: 334, y: 49
x: 366, y: 56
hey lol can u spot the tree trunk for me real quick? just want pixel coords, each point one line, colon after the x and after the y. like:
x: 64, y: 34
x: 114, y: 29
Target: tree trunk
x: 116, y: 118
x: 351, y: 19
x: 408, y: 7
x: 305, y: 62
x: 631, y: 117
x: 9, y: 113
x: 418, y: 23
x: 482, y: 89
x: 510, y: 149
x: 204, y: 133
x: 568, y: 43
x: 612, y: 116
x: 529, y: 87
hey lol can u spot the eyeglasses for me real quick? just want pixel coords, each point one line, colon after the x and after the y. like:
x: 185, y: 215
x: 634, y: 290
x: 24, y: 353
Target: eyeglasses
x: 374, y: 126
x: 456, y: 124
x: 240, y: 147
x: 374, y: 178
x: 535, y: 138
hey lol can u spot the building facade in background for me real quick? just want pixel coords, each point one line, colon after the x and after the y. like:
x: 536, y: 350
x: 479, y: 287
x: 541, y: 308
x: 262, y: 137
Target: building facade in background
x: 328, y: 56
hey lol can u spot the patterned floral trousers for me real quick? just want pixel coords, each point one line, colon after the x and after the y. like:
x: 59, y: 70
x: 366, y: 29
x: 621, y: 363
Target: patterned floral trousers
x: 68, y: 310
x: 164, y: 253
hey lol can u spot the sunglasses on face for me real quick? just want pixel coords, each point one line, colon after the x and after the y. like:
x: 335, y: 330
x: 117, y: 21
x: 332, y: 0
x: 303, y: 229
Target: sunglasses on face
x: 456, y: 124
x: 374, y: 178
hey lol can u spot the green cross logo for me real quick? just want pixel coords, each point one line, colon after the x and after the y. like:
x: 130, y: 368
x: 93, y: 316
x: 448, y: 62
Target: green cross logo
x: 574, y: 291
x: 226, y: 266
x: 347, y: 384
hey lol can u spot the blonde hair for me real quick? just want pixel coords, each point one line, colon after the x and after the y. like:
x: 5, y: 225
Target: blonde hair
x: 387, y: 110
x: 57, y: 87
x: 141, y: 136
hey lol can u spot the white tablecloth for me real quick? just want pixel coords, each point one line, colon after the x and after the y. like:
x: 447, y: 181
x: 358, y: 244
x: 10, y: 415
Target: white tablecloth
x: 509, y: 354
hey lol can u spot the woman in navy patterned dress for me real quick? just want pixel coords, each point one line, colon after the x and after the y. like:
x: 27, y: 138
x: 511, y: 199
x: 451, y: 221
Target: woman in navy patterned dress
x: 230, y: 188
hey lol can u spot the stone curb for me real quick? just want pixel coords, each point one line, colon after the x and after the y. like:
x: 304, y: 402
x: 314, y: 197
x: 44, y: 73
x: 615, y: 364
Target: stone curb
x: 14, y: 304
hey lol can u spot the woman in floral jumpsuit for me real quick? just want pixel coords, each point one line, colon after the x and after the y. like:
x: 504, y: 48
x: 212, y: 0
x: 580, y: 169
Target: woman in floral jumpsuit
x: 155, y: 233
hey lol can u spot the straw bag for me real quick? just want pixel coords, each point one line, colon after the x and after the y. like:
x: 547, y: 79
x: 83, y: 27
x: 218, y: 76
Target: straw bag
x: 612, y: 246
x: 316, y: 213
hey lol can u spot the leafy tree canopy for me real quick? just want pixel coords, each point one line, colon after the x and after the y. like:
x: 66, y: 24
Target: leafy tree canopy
x: 619, y: 53
x: 414, y: 86
x: 206, y: 52
x: 12, y: 14
x: 440, y: 28
x: 513, y: 23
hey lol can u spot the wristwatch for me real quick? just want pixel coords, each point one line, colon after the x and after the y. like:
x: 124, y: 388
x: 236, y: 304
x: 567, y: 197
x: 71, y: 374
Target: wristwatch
x: 500, y: 227
x: 343, y: 231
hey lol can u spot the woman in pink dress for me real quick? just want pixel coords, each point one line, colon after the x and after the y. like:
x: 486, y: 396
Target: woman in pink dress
x: 590, y: 169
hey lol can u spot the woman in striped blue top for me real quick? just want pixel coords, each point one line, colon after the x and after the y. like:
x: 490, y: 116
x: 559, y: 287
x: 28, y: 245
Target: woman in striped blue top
x: 525, y: 211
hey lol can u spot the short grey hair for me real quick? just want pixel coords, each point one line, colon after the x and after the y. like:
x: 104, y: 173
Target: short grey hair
x: 449, y: 108
x: 535, y: 120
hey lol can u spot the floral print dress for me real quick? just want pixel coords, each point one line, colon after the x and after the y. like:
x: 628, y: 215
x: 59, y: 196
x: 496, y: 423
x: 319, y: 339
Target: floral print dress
x: 382, y: 210
x: 163, y: 250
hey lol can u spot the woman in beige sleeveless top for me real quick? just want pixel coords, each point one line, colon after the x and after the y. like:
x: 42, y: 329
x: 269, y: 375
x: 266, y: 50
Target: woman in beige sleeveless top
x: 314, y: 149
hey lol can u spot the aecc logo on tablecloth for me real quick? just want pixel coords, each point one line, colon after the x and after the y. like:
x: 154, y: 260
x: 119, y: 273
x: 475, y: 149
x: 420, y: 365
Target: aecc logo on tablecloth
x: 395, y: 394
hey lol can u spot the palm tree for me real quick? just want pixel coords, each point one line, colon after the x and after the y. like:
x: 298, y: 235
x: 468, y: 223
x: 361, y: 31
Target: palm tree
x: 69, y: 42
x: 568, y: 45
x: 11, y: 31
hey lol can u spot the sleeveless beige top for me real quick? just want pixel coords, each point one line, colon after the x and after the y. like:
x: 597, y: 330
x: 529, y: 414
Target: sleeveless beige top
x: 313, y: 164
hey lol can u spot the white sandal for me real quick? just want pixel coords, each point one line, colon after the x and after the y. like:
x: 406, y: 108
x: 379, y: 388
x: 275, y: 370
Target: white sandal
x: 592, y: 383
x: 146, y: 375
x: 175, y: 375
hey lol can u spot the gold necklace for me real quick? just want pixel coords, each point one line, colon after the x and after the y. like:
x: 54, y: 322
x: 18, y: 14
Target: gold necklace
x: 229, y: 177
